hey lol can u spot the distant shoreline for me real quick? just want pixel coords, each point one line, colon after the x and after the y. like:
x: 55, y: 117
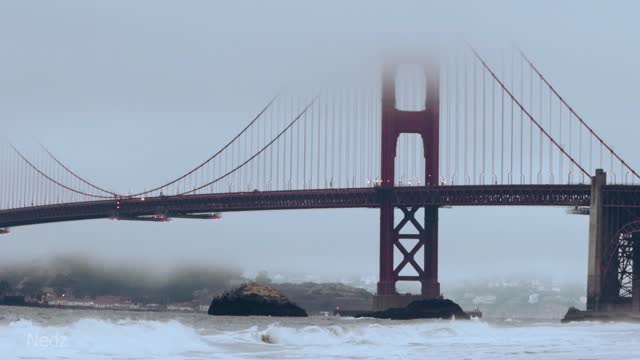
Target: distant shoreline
x: 76, y: 307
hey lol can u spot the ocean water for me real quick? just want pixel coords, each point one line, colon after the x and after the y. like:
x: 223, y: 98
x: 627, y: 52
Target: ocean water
x: 73, y: 334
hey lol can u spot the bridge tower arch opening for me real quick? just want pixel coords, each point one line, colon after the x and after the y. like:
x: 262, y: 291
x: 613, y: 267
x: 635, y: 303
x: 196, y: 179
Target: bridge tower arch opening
x: 408, y: 246
x: 410, y: 162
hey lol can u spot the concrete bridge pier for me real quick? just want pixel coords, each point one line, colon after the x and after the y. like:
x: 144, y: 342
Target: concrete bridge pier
x: 597, y: 242
x: 613, y: 283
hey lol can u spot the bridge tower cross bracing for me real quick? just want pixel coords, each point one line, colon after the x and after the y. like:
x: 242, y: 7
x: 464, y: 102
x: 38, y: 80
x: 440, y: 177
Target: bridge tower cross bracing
x: 424, y: 236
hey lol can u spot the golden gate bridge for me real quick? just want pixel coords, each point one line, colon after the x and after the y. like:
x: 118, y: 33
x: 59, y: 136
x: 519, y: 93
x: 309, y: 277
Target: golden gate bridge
x: 432, y: 131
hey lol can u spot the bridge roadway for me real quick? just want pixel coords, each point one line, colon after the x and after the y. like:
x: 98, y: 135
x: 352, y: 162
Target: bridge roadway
x: 171, y: 206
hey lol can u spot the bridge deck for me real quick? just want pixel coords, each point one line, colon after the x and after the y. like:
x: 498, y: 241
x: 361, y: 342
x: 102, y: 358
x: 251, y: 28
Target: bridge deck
x: 486, y: 195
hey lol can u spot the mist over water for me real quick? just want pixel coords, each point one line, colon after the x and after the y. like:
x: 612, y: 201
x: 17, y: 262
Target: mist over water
x: 79, y: 279
x: 475, y: 244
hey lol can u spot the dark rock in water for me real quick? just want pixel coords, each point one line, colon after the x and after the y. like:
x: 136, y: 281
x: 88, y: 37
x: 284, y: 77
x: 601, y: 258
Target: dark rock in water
x: 254, y: 300
x: 580, y: 315
x: 576, y: 315
x: 422, y: 309
x: 13, y: 300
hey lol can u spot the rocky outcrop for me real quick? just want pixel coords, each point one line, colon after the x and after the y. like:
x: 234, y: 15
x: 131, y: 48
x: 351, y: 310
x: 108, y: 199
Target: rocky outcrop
x: 13, y: 300
x: 577, y: 315
x: 253, y: 299
x: 422, y: 309
x: 580, y: 315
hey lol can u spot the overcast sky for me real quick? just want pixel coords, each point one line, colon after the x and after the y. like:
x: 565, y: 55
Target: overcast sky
x: 131, y: 93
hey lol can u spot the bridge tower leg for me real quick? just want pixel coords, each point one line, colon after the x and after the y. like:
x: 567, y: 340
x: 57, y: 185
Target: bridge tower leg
x: 425, y: 231
x: 602, y: 280
x: 609, y: 255
x: 597, y: 241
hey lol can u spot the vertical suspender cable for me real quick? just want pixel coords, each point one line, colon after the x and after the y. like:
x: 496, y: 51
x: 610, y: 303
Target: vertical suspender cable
x: 448, y: 103
x: 347, y: 146
x: 340, y: 137
x: 560, y: 174
x: 521, y: 122
x: 550, y: 144
x: 531, y: 127
x: 494, y: 178
x: 466, y: 118
x: 502, y: 128
x: 293, y: 112
x: 541, y: 163
x: 456, y: 146
x: 570, y: 147
x: 484, y: 127
x: 333, y: 140
x: 475, y: 119
x: 513, y: 86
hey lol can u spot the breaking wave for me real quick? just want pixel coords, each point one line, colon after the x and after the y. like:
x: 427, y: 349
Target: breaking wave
x: 325, y: 339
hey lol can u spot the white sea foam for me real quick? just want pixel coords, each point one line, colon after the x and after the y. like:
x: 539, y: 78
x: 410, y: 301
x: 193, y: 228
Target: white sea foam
x: 91, y: 338
x: 99, y: 339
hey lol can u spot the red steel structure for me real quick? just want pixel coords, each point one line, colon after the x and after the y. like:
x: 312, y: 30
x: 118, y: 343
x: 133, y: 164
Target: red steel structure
x: 461, y: 134
x: 424, y: 236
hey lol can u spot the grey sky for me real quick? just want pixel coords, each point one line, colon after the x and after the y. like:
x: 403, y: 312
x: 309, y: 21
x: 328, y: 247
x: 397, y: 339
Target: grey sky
x: 131, y: 93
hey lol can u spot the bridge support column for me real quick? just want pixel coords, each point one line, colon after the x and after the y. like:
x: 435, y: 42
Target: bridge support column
x: 597, y: 240
x: 430, y: 284
x: 409, y: 237
x: 387, y: 281
x: 602, y: 282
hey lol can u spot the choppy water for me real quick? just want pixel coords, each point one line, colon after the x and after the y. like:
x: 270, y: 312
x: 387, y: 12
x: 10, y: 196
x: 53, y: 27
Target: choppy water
x: 66, y: 334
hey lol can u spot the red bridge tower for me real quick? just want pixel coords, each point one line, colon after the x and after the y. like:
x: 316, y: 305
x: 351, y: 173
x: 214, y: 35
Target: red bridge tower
x: 424, y: 235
